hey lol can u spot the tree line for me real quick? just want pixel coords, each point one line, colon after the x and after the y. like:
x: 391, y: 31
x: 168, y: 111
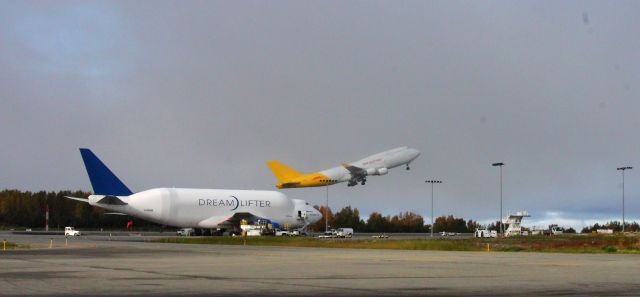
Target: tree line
x: 616, y: 226
x: 27, y: 209
x: 407, y: 222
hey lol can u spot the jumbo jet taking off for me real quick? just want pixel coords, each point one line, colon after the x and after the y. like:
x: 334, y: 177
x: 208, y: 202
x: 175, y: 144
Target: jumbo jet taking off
x: 198, y: 208
x: 353, y: 173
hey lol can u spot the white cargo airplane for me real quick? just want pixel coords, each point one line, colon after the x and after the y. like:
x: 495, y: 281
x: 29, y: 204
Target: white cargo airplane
x: 353, y: 173
x: 198, y: 208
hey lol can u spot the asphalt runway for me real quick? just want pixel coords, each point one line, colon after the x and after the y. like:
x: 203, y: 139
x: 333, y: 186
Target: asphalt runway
x: 128, y: 265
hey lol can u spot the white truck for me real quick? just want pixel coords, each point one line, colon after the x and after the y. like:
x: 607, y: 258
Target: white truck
x: 555, y: 230
x: 344, y: 232
x: 290, y: 233
x: 329, y: 234
x: 282, y: 233
x: 486, y: 233
x: 185, y: 232
x: 70, y: 231
x: 443, y: 233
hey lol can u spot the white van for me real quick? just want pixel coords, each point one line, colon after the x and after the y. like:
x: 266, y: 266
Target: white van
x: 344, y: 232
x: 70, y: 231
x: 185, y: 232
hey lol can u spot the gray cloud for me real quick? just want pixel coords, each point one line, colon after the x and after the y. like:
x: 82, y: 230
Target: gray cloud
x: 202, y: 94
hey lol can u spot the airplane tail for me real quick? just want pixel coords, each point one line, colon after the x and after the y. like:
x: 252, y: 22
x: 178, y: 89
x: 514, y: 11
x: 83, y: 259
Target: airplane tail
x: 103, y: 181
x: 282, y: 172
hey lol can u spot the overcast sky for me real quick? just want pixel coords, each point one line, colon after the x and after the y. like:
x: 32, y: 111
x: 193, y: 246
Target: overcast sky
x: 202, y: 94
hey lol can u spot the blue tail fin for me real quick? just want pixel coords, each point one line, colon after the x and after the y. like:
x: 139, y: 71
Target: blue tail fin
x: 103, y: 181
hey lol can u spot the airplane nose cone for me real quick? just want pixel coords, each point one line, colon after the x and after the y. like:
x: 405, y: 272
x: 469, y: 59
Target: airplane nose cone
x: 414, y: 153
x: 317, y: 213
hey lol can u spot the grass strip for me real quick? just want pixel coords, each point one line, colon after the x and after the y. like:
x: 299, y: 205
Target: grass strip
x: 444, y: 245
x: 557, y: 244
x: 12, y: 246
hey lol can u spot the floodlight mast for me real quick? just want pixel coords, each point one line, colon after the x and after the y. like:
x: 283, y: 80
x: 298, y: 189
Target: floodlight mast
x: 432, y: 182
x: 500, y: 164
x: 623, y: 169
x: 326, y: 213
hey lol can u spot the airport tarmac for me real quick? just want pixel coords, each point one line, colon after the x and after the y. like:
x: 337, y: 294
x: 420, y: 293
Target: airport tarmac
x: 128, y: 265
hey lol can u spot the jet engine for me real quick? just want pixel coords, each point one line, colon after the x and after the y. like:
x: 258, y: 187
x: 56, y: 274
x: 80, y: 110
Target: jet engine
x: 383, y: 171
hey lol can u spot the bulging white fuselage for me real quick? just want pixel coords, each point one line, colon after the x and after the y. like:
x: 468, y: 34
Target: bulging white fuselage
x: 211, y: 208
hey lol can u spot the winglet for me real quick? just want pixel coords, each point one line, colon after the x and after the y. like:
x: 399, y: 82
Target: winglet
x: 103, y: 181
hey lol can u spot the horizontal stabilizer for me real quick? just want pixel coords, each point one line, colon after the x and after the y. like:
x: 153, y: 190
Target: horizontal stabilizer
x: 78, y: 199
x: 289, y: 185
x: 111, y: 200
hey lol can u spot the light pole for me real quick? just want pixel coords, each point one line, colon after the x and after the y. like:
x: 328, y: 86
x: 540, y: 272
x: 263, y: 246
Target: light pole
x: 432, y: 182
x: 500, y: 164
x: 326, y: 213
x: 623, y: 169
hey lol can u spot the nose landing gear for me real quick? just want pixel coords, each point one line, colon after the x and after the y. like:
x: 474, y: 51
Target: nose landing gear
x: 408, y: 168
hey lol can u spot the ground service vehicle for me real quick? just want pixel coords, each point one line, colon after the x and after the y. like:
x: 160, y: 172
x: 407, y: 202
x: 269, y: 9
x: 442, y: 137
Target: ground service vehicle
x: 328, y: 234
x: 282, y: 233
x: 70, y: 231
x: 344, y: 232
x: 185, y: 232
x: 485, y: 233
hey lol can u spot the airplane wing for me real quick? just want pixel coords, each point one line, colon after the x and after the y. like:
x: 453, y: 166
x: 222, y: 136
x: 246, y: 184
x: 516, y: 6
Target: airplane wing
x: 355, y: 170
x: 358, y: 175
x: 239, y: 216
x: 116, y: 213
x: 228, y: 220
x: 213, y: 221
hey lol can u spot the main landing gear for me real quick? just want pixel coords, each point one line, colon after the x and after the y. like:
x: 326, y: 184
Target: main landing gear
x: 355, y: 182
